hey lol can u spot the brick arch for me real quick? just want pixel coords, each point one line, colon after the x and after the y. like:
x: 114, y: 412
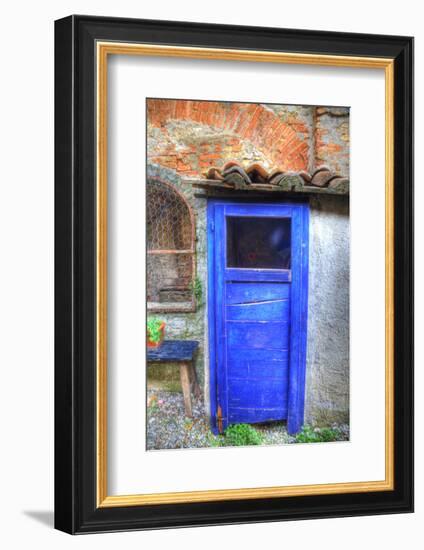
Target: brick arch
x: 254, y: 123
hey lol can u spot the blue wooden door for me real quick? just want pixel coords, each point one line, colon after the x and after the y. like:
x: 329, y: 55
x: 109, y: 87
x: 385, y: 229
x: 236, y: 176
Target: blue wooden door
x: 258, y: 265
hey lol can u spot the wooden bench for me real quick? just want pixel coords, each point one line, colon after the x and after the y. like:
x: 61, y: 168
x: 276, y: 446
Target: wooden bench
x: 181, y: 352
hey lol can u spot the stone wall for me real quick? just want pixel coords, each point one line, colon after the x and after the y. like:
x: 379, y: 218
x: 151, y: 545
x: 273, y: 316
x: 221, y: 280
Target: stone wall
x: 191, y: 136
x: 186, y: 325
x: 331, y: 145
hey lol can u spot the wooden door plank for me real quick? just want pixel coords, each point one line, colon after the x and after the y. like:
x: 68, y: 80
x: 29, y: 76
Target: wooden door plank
x: 221, y: 335
x: 247, y: 335
x: 258, y: 355
x: 299, y: 316
x: 258, y: 275
x: 257, y: 392
x: 213, y: 375
x: 270, y: 310
x: 247, y: 368
x: 242, y: 293
x: 252, y: 415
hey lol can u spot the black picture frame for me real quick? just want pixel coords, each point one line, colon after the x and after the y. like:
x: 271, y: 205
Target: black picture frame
x: 76, y: 509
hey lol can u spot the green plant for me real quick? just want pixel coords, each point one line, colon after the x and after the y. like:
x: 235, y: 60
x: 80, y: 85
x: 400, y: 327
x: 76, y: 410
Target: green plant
x: 237, y: 435
x: 197, y: 289
x: 154, y: 329
x: 317, y: 435
x: 215, y: 440
x: 152, y: 405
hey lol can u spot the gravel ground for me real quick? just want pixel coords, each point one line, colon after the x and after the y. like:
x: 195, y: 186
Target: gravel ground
x: 169, y: 428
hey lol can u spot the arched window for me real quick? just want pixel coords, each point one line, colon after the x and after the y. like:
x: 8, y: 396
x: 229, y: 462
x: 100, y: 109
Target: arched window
x: 170, y: 249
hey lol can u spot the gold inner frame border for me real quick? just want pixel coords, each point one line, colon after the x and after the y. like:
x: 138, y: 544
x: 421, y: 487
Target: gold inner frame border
x: 103, y: 50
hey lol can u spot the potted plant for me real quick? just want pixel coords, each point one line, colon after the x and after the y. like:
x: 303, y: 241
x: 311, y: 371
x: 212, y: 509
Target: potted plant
x: 155, y: 332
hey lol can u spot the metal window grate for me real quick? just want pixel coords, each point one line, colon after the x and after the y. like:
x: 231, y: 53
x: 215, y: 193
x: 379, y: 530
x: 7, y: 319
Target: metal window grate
x: 170, y: 250
x: 168, y: 219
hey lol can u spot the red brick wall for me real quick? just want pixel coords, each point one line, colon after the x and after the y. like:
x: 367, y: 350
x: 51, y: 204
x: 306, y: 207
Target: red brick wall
x: 191, y: 136
x: 332, y: 138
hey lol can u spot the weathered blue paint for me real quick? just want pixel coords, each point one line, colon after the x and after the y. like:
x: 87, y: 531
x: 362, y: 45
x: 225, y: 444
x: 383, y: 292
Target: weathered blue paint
x: 173, y: 350
x: 272, y: 310
x: 258, y: 334
x: 299, y: 316
x: 276, y: 276
x: 257, y: 324
x: 254, y: 362
x: 242, y: 293
x: 211, y: 314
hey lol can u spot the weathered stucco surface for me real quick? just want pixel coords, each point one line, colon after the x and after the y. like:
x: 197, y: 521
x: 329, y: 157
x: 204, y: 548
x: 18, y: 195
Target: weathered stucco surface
x: 327, y: 368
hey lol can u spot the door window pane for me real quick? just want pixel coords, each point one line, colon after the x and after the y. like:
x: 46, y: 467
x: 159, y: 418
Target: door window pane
x: 258, y: 243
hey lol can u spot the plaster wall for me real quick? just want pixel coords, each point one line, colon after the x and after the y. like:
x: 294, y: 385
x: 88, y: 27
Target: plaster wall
x: 327, y: 366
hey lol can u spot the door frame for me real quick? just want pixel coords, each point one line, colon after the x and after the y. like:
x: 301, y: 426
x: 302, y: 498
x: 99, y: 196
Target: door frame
x: 299, y: 309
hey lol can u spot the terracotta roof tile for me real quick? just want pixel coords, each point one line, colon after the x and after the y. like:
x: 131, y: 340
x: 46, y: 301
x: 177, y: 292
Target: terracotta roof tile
x: 234, y: 173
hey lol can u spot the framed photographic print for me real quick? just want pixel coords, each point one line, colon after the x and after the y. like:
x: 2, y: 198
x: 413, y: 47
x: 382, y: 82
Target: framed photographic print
x: 233, y: 274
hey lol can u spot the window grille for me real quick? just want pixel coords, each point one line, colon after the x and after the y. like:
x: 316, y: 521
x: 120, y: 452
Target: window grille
x: 170, y: 249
